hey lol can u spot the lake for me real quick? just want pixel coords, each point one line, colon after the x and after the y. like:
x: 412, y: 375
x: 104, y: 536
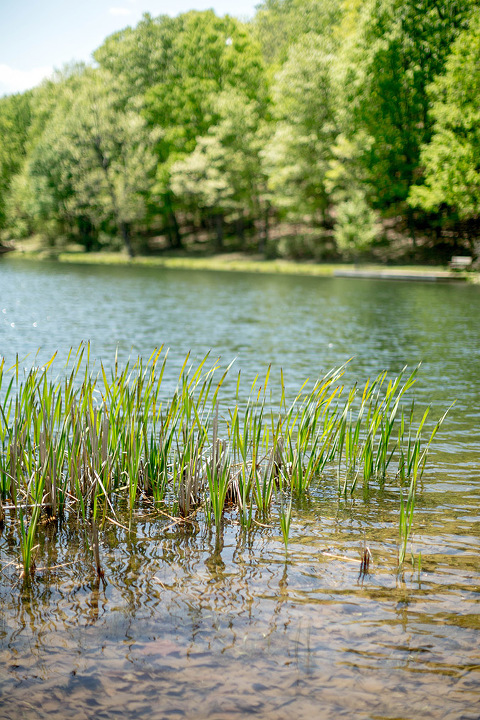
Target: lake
x: 188, y: 628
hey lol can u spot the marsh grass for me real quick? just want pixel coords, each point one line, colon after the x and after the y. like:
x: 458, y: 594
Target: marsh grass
x: 87, y: 442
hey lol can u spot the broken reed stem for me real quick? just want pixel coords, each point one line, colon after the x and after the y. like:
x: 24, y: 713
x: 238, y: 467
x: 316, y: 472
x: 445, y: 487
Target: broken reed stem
x: 365, y: 562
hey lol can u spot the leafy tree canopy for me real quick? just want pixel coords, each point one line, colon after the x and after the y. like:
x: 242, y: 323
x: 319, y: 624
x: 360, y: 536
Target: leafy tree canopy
x: 397, y: 49
x: 452, y: 158
x: 15, y: 119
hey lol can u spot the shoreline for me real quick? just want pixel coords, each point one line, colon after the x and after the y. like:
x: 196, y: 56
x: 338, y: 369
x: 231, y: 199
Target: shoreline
x: 237, y: 262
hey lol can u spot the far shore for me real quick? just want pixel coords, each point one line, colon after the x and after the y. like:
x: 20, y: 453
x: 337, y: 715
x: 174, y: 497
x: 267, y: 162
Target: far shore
x: 240, y: 262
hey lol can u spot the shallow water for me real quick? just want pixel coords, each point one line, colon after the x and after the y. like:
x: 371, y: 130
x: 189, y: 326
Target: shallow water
x: 190, y: 626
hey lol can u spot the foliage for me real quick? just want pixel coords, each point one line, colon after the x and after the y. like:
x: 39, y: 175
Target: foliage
x: 211, y: 59
x: 142, y: 56
x: 330, y: 115
x: 15, y: 119
x: 278, y: 24
x: 87, y: 443
x: 224, y: 174
x: 298, y: 154
x: 209, y: 56
x: 356, y: 226
x: 94, y: 162
x: 452, y: 158
x: 397, y: 49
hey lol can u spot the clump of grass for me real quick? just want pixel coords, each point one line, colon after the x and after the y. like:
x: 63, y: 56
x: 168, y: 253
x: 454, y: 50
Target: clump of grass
x: 88, y: 442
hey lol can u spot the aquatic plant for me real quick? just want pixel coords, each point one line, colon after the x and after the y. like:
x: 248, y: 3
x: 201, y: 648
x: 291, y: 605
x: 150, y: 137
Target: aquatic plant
x: 285, y: 520
x: 27, y: 538
x: 411, y: 465
x: 89, y: 443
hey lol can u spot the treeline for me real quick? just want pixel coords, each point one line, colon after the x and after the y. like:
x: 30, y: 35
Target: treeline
x: 346, y: 122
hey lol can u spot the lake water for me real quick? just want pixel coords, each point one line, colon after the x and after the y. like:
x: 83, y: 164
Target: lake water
x: 188, y: 628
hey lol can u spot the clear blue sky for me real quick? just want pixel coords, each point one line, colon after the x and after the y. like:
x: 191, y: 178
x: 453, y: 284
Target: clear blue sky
x: 37, y: 36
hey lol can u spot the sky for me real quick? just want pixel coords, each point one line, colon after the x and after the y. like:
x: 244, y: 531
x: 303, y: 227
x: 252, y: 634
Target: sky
x: 38, y: 36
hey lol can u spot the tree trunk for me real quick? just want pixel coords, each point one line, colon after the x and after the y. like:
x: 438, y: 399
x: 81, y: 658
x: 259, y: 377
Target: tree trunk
x: 176, y: 238
x: 240, y: 228
x: 125, y: 230
x: 219, y: 232
x: 265, y: 235
x: 86, y: 231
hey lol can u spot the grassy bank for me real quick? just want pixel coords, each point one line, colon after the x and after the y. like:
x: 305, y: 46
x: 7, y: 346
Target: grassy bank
x: 239, y: 262
x: 227, y: 262
x: 232, y: 262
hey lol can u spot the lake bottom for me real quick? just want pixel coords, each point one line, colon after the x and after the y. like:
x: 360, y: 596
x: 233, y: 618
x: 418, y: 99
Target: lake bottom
x: 189, y: 626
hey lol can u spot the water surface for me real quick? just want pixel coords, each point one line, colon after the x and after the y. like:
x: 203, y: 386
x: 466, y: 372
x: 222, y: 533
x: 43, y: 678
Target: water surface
x: 190, y: 626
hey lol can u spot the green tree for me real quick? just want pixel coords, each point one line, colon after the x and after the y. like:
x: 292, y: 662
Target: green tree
x: 298, y: 155
x: 396, y: 49
x: 210, y: 56
x: 279, y: 24
x: 223, y: 174
x: 451, y: 160
x: 94, y: 163
x: 141, y: 57
x: 357, y: 224
x: 28, y: 209
x: 53, y: 93
x: 15, y: 120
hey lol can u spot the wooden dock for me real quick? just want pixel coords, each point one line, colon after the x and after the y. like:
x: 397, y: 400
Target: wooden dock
x: 402, y: 274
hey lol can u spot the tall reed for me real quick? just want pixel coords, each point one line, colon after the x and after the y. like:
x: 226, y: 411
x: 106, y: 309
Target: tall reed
x: 88, y: 441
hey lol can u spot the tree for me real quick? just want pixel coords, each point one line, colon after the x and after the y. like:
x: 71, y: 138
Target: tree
x: 94, y: 162
x: 142, y: 56
x: 356, y: 222
x: 27, y: 207
x: 393, y: 50
x: 15, y: 119
x: 210, y: 56
x: 297, y: 157
x: 53, y: 93
x: 451, y: 160
x: 223, y: 174
x: 279, y: 24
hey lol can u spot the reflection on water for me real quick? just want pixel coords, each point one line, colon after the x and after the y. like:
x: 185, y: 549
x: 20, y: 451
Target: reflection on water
x: 304, y: 325
x: 188, y: 625
x: 193, y: 626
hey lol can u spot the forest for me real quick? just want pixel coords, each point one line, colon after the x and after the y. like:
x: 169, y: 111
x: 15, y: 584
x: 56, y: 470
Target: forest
x: 321, y: 129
